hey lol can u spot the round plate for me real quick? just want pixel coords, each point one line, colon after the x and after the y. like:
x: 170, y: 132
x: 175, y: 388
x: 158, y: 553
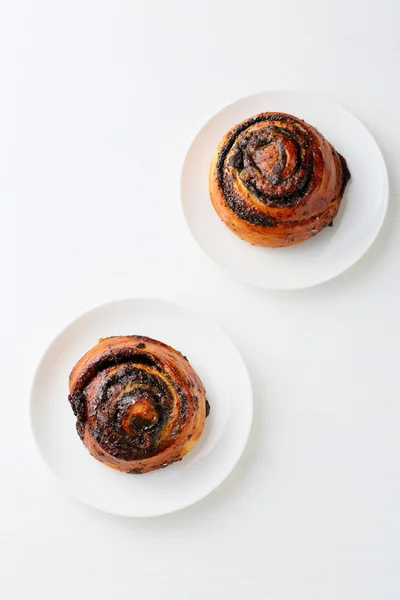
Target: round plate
x: 217, y: 362
x: 322, y: 257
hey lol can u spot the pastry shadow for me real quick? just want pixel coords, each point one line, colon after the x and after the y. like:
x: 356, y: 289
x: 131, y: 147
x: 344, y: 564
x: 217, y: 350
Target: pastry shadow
x: 372, y: 258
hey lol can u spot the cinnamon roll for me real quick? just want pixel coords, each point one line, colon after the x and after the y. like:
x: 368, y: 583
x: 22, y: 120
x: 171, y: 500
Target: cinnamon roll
x: 276, y: 181
x: 139, y: 404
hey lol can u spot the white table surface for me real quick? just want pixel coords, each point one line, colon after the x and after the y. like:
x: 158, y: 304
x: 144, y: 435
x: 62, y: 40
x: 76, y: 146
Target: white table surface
x: 99, y: 101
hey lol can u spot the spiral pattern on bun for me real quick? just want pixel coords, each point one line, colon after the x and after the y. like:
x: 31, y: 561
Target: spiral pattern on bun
x: 139, y: 404
x: 276, y: 181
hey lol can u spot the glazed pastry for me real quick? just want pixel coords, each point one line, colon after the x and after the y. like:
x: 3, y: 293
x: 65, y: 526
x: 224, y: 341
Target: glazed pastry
x: 275, y: 180
x: 139, y: 404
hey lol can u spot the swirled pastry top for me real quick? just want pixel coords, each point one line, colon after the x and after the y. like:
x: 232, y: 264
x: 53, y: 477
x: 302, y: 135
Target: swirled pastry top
x: 276, y: 181
x: 139, y: 403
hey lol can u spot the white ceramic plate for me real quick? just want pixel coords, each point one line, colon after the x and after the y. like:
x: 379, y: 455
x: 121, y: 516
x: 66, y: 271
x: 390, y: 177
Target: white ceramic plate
x: 330, y: 252
x: 217, y: 362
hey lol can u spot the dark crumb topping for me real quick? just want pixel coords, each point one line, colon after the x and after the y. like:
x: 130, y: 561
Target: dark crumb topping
x: 136, y: 405
x: 272, y: 164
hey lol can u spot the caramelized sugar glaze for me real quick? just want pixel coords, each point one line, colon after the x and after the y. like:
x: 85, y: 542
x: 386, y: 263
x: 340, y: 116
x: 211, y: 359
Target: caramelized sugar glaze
x: 139, y: 404
x: 275, y: 180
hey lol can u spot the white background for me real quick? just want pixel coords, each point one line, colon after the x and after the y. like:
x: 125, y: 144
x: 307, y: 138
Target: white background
x: 99, y: 101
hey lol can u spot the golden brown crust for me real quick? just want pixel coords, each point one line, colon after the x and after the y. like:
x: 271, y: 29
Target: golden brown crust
x: 275, y: 180
x: 139, y: 404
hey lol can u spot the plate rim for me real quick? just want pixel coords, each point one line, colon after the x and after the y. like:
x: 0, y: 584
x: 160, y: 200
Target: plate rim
x: 39, y: 365
x: 242, y: 277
